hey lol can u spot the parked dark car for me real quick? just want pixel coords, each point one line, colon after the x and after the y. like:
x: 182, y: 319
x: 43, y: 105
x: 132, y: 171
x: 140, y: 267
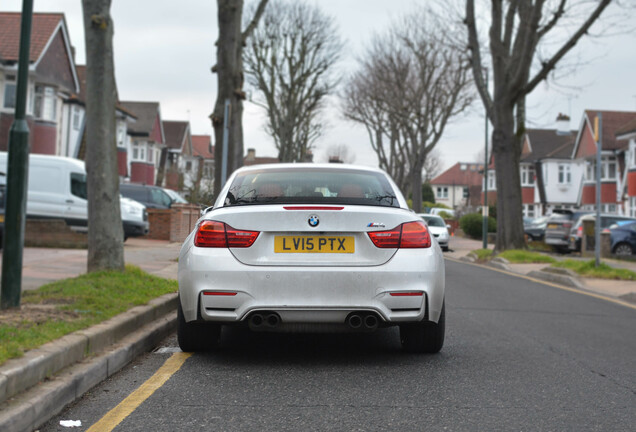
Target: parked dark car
x: 150, y: 196
x: 535, y: 230
x: 607, y: 220
x: 557, y: 231
x: 623, y: 239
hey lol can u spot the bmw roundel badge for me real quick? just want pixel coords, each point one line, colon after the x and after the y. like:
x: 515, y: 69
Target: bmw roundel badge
x: 313, y: 221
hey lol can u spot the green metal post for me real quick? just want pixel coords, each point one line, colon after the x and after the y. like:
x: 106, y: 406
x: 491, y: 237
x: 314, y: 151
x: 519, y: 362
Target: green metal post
x: 484, y: 226
x: 17, y: 175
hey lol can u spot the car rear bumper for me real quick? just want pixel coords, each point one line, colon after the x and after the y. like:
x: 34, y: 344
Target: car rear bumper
x: 135, y: 228
x: 556, y: 241
x: 312, y: 294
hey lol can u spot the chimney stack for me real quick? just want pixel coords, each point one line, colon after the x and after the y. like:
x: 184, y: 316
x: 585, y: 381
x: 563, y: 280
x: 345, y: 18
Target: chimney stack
x: 251, y: 154
x: 563, y: 124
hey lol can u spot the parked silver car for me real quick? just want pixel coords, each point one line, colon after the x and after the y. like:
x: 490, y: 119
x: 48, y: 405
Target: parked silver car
x: 310, y: 247
x: 438, y: 227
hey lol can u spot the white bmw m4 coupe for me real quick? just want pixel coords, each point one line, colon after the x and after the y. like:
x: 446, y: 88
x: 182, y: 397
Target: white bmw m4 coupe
x: 311, y: 248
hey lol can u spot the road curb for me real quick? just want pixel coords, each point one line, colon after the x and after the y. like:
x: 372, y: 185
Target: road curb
x: 562, y: 279
x: 40, y: 371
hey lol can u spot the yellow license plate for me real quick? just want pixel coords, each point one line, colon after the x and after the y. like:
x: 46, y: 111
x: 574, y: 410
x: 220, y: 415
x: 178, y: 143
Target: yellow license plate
x: 551, y: 226
x: 314, y: 244
x: 1, y: 218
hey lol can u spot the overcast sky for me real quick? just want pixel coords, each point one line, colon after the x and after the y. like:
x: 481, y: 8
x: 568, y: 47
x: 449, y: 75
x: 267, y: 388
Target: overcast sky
x: 164, y: 50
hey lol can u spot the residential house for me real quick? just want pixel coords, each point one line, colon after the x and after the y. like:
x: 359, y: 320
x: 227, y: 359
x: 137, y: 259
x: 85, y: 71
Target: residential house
x: 203, y: 153
x: 147, y: 141
x: 627, y: 134
x: 550, y: 178
x: 251, y: 158
x: 122, y: 119
x: 614, y: 164
x: 54, y: 115
x: 459, y: 186
x: 175, y: 170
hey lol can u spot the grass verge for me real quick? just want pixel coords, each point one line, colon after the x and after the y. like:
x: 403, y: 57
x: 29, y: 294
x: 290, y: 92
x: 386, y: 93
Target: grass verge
x: 65, y: 306
x: 603, y: 271
x: 482, y: 254
x: 521, y: 256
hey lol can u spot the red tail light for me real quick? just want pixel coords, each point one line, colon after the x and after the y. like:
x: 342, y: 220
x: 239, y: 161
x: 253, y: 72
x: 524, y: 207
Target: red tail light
x: 579, y: 231
x: 408, y: 235
x: 567, y: 225
x: 215, y: 234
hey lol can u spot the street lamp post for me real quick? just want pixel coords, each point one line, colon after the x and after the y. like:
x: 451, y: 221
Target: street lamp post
x: 18, y: 167
x: 484, y: 227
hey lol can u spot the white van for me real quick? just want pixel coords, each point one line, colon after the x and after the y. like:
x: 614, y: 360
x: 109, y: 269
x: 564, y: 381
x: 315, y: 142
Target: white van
x: 57, y: 190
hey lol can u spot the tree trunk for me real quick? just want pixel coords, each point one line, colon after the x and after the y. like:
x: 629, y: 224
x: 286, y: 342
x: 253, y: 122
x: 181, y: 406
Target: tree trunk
x: 416, y: 188
x: 507, y: 151
x: 229, y: 69
x: 161, y: 171
x: 105, y: 233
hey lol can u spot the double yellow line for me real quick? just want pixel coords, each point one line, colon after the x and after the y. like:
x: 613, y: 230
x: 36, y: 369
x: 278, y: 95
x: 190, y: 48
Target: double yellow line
x: 136, y: 398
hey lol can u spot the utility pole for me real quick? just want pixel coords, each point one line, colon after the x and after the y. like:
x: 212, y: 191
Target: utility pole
x: 17, y: 175
x: 598, y: 137
x: 484, y: 227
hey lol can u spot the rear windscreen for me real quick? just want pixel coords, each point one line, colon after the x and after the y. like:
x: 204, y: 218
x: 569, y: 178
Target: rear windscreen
x: 434, y: 222
x: 311, y: 186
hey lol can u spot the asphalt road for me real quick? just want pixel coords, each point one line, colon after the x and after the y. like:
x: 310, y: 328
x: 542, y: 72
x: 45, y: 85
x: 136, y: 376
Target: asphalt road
x: 518, y: 356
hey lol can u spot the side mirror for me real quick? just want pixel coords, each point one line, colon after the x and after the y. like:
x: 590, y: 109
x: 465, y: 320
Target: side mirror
x: 448, y: 226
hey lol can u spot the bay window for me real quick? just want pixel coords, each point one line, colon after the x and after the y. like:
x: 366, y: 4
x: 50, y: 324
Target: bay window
x: 9, y: 91
x: 45, y: 103
x: 527, y: 175
x: 565, y: 174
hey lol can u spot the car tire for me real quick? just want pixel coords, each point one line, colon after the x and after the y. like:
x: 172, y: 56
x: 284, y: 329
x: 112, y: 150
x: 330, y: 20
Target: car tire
x: 623, y: 249
x: 196, y: 336
x: 425, y: 336
x: 445, y: 249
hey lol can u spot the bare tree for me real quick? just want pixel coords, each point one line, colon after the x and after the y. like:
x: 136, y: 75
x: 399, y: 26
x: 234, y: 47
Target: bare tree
x: 289, y: 62
x: 432, y: 166
x: 412, y: 82
x: 229, y: 69
x: 523, y: 40
x: 105, y: 231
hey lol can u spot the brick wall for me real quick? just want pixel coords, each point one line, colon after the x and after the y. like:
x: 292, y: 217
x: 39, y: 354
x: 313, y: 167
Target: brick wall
x: 173, y: 224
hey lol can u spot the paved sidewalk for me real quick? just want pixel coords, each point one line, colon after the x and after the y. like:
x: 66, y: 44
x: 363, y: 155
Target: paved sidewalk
x: 43, y: 265
x: 625, y: 290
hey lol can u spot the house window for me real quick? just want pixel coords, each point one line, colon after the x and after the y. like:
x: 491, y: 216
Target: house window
x: 632, y: 206
x: 565, y: 175
x: 121, y: 137
x: 139, y: 152
x: 491, y: 180
x: 528, y: 210
x: 527, y: 175
x: 9, y: 91
x: 45, y: 106
x: 76, y: 118
x: 442, y: 192
x: 608, y: 208
x: 208, y: 170
x: 151, y: 154
x: 188, y: 166
x: 608, y: 169
x: 590, y: 171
